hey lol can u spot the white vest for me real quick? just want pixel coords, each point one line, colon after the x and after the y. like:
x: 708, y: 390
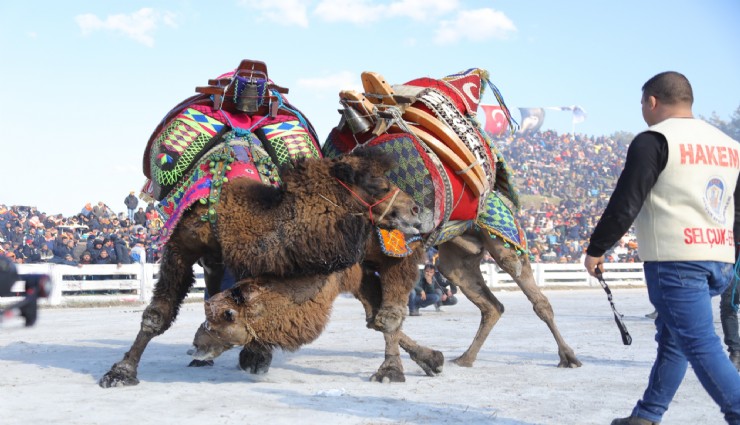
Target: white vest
x: 689, y: 213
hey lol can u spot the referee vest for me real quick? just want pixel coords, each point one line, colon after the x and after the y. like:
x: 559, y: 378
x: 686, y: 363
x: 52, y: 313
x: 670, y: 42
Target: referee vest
x: 688, y: 215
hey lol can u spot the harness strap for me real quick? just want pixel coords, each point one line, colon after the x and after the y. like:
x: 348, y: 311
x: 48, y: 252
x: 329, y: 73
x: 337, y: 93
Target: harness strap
x: 367, y: 204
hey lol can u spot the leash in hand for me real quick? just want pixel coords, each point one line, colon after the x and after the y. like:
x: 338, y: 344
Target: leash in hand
x: 626, y: 337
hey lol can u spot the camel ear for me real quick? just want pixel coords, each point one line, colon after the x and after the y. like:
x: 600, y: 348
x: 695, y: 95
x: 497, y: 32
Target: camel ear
x: 230, y: 315
x: 343, y: 172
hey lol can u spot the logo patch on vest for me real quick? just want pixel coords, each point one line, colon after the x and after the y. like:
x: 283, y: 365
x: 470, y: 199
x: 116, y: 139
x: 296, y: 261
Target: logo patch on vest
x: 716, y: 199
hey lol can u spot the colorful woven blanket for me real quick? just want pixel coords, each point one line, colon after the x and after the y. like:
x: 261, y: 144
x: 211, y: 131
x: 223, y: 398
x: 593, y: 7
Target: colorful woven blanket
x: 448, y: 205
x: 198, y: 148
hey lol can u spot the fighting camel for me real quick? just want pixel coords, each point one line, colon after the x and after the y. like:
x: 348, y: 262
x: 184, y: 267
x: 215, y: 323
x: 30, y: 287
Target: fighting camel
x: 317, y: 222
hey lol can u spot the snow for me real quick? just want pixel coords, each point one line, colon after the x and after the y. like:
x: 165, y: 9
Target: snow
x: 49, y: 373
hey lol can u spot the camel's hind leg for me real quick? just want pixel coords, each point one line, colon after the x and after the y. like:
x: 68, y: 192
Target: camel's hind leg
x: 459, y: 261
x: 519, y: 268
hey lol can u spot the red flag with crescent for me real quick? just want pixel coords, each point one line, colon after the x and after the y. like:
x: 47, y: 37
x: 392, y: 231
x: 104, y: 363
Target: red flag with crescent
x: 496, y: 122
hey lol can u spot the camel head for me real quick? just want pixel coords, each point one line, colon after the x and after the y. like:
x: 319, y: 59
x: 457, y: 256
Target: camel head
x: 363, y: 175
x: 226, y: 325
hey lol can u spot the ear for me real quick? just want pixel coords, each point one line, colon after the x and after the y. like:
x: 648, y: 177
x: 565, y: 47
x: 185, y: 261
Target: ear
x: 343, y: 172
x: 652, y: 102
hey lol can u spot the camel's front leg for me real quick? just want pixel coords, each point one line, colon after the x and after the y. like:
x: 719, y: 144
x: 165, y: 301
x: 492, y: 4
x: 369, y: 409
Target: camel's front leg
x: 392, y: 369
x: 519, y: 268
x: 397, y: 277
x: 431, y: 361
x: 169, y: 292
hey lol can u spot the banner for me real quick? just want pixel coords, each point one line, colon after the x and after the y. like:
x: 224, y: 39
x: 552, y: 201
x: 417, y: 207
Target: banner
x: 496, y: 122
x: 579, y: 114
x: 532, y: 119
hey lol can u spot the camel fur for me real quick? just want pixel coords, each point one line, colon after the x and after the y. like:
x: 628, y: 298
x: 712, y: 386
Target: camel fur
x: 318, y: 222
x: 264, y: 313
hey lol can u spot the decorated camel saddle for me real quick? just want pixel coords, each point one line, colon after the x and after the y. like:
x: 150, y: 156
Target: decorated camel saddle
x: 238, y: 126
x: 445, y: 160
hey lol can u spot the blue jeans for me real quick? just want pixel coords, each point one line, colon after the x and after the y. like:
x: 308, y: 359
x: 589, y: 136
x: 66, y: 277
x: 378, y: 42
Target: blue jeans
x: 728, y: 316
x: 415, y: 301
x: 681, y: 293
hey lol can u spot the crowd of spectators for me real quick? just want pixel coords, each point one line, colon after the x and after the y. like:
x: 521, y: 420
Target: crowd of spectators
x: 96, y: 235
x: 565, y: 181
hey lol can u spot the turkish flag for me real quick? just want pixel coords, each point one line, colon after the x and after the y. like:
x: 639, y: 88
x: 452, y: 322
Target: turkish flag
x: 496, y: 122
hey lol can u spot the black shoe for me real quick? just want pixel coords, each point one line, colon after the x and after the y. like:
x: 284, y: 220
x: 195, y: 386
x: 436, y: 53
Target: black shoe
x: 652, y: 315
x: 735, y: 359
x: 633, y: 420
x: 414, y: 313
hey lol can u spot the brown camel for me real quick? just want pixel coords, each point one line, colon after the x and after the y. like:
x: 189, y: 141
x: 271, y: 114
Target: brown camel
x: 432, y: 125
x: 264, y: 313
x: 317, y: 222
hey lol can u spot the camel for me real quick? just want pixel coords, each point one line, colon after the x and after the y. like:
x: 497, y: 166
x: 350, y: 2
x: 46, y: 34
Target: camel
x: 263, y: 313
x: 317, y: 222
x: 432, y: 122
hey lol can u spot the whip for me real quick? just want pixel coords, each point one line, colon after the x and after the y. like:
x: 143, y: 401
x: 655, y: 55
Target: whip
x: 626, y: 338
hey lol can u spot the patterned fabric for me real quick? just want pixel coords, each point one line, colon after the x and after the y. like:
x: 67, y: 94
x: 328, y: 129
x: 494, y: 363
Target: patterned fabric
x: 198, y: 185
x: 499, y: 221
x: 420, y: 175
x: 394, y: 243
x: 287, y: 141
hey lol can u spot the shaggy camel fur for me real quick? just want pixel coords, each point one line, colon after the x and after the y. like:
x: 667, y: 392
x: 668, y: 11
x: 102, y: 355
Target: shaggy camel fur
x: 318, y: 221
x: 265, y: 313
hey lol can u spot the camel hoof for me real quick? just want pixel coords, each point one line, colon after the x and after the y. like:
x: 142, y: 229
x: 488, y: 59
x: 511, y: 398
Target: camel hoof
x: 117, y: 378
x: 432, y: 364
x: 255, y: 362
x: 463, y: 362
x: 200, y: 363
x: 570, y: 362
x: 389, y: 319
x: 388, y: 375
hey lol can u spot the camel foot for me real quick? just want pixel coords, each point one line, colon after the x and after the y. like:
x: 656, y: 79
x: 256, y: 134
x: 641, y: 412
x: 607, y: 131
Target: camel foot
x: 432, y: 362
x: 390, y: 371
x: 255, y: 362
x: 568, y: 359
x: 119, y: 376
x: 463, y: 361
x: 389, y: 319
x: 200, y: 363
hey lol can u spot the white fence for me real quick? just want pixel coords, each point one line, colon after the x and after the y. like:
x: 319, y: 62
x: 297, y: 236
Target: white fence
x: 134, y: 282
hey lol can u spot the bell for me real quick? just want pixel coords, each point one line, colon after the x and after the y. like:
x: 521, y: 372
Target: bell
x: 248, y: 99
x: 356, y: 122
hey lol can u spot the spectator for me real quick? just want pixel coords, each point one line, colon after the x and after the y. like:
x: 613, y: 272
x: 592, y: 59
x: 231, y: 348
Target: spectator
x: 424, y: 293
x: 86, y: 258
x: 446, y: 291
x: 140, y: 217
x: 138, y: 252
x: 104, y: 258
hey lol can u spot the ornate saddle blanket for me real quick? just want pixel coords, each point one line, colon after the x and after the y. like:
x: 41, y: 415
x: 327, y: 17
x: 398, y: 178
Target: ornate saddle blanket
x: 202, y: 144
x: 442, y: 112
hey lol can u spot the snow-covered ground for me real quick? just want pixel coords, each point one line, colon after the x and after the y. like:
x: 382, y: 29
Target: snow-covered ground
x: 49, y: 373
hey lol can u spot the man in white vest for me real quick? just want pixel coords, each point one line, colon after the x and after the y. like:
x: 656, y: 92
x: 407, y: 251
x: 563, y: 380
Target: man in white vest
x: 678, y: 186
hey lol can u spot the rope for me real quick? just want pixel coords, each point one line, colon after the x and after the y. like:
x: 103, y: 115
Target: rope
x: 368, y: 205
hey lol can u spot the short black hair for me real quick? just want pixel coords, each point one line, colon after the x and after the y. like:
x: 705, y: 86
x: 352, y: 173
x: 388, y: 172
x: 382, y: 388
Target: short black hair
x: 669, y: 87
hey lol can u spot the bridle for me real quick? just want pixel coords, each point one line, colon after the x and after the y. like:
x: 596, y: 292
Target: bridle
x: 369, y: 206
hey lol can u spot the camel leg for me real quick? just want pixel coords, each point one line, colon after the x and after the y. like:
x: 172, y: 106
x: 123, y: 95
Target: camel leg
x: 431, y: 361
x: 169, y: 292
x: 520, y: 270
x: 459, y: 261
x: 392, y: 369
x: 255, y: 359
x: 213, y: 274
x: 397, y: 277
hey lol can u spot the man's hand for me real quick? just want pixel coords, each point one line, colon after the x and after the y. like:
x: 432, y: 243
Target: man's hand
x: 592, y: 263
x: 423, y: 296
